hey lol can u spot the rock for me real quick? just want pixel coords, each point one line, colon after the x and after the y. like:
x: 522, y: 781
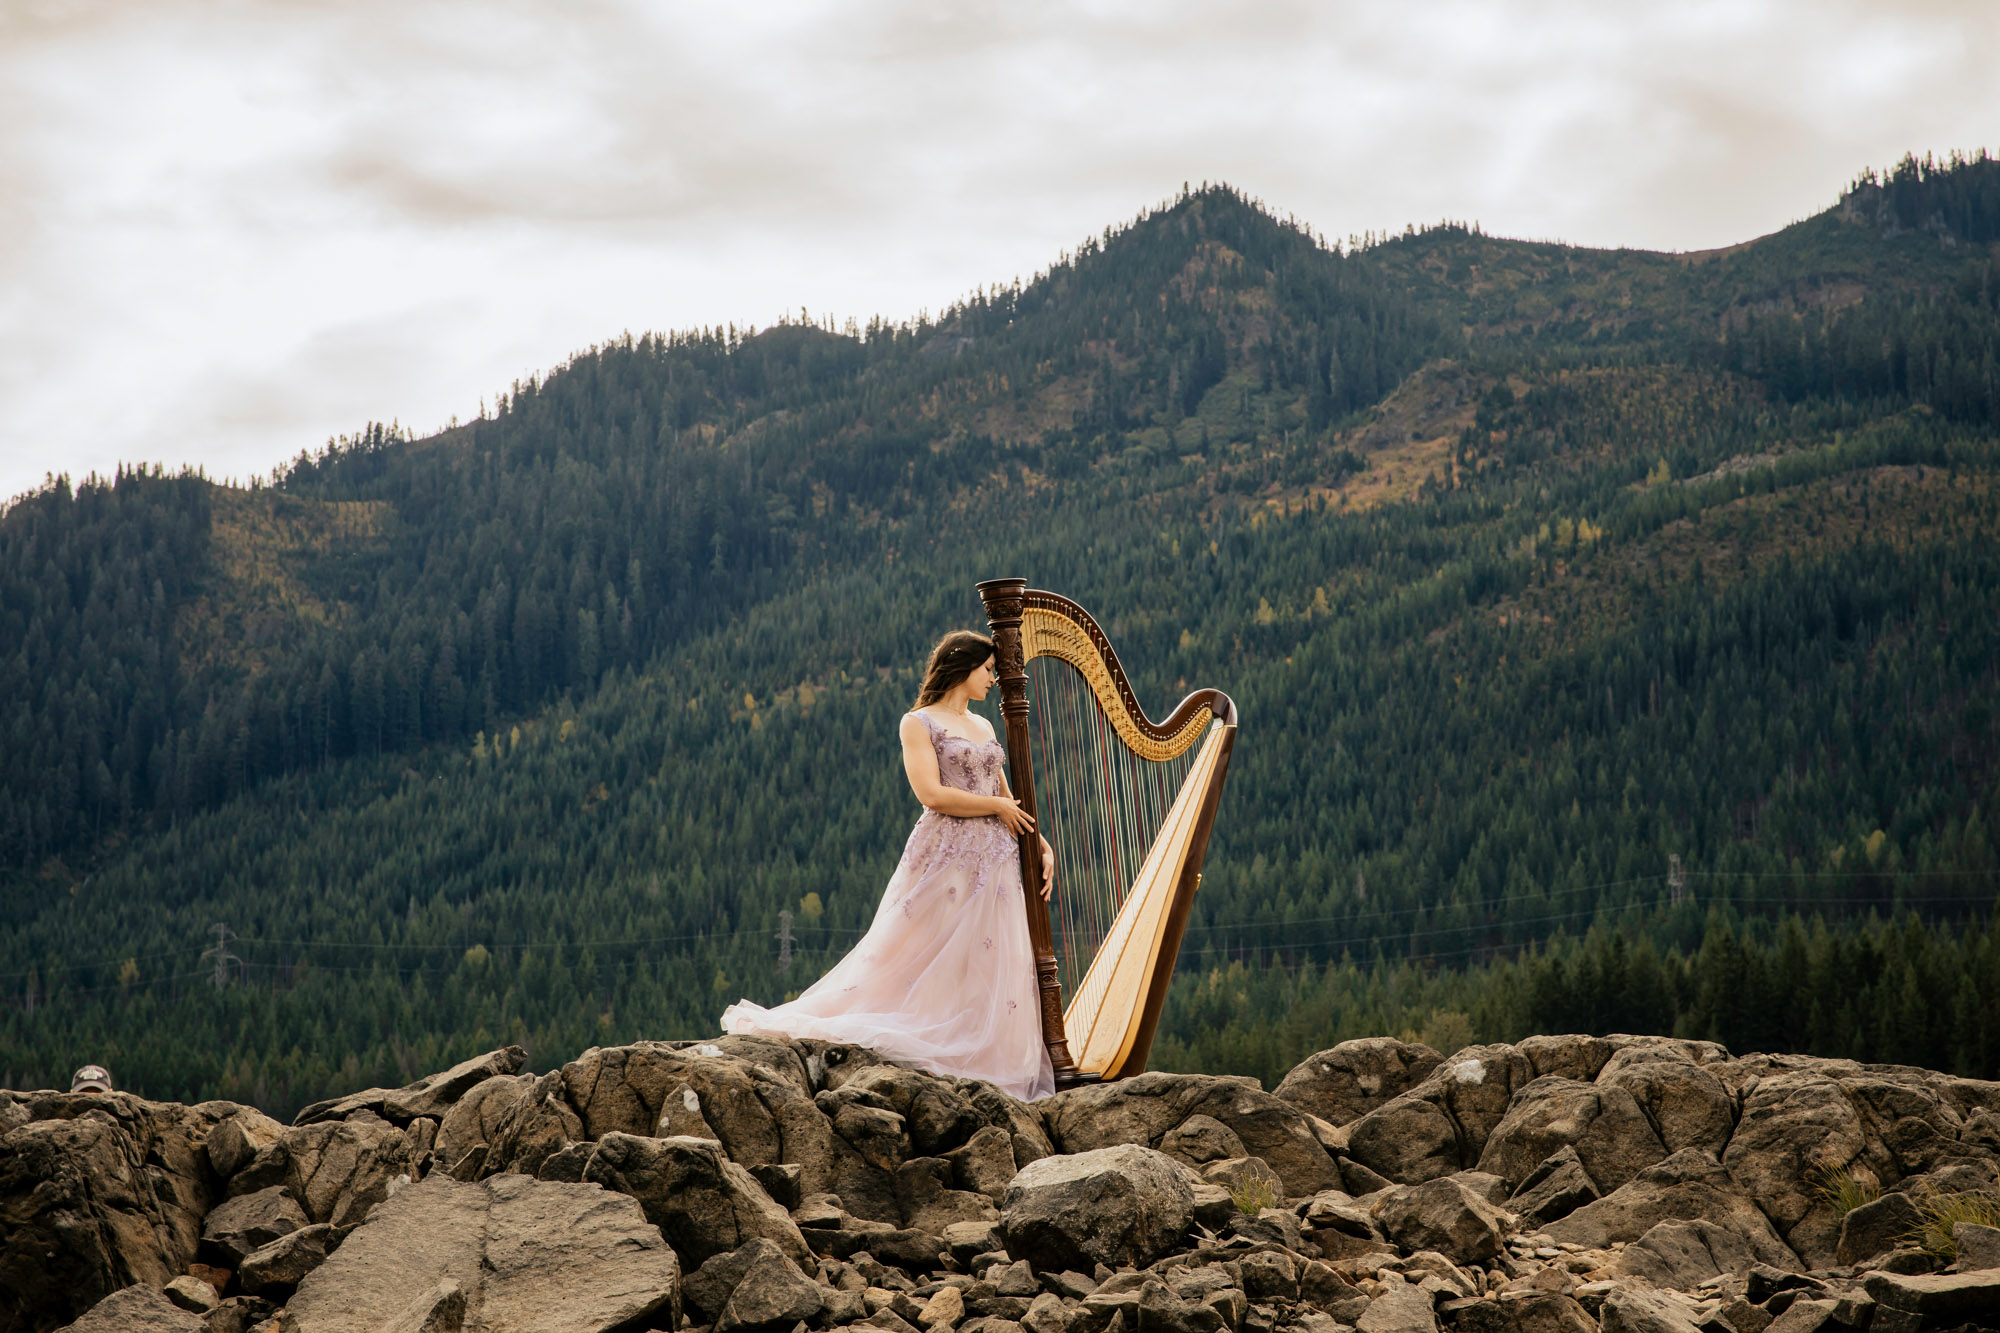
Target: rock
x: 1476, y: 1086
x: 239, y: 1314
x: 1272, y: 1275
x: 1575, y: 1056
x: 275, y: 1269
x: 1143, y: 1110
x: 1401, y: 1308
x: 1978, y: 1246
x: 1555, y: 1188
x: 780, y: 1180
x: 1602, y: 1122
x: 928, y: 1202
x: 1442, y: 1215
x: 191, y: 1294
x: 1941, y: 1300
x: 438, y: 1308
x: 984, y: 1163
x: 1689, y: 1186
x: 703, y: 1203
x: 966, y: 1239
x: 336, y: 1169
x: 1804, y: 1316
x: 1487, y: 1186
x: 526, y: 1255
x: 1201, y: 1139
x: 1348, y: 1081
x: 1876, y: 1227
x: 753, y: 1288
x: 1535, y: 1312
x: 1683, y: 1255
x: 1796, y: 1127
x: 136, y: 1309
x: 945, y: 1308
x: 238, y: 1138
x: 1408, y: 1140
x: 249, y: 1222
x: 1115, y: 1206
x: 1642, y: 1310
x: 1681, y: 1098
x: 532, y: 1129
x: 431, y: 1096
x: 98, y: 1191
x: 475, y: 1117
x: 1245, y: 1177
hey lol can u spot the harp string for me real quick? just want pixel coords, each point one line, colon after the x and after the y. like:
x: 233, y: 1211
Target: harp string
x: 1101, y: 808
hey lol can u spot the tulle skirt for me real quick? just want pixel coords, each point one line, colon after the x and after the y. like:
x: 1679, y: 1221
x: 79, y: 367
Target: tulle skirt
x: 945, y: 978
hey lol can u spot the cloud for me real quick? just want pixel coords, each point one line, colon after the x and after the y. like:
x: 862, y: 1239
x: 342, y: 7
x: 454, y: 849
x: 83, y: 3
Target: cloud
x: 230, y: 229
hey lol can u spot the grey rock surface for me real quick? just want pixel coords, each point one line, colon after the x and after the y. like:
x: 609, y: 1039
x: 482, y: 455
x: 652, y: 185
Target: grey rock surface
x: 274, y: 1269
x: 528, y: 1256
x: 1120, y: 1205
x: 1442, y: 1215
x: 1688, y: 1186
x: 136, y: 1309
x: 1144, y: 1110
x: 1346, y: 1082
x: 1876, y: 1227
x: 249, y: 1222
x: 702, y: 1202
x: 1601, y: 1122
x: 430, y: 1096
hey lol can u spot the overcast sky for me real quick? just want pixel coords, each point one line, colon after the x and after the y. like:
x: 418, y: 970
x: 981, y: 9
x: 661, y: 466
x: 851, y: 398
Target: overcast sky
x: 230, y: 230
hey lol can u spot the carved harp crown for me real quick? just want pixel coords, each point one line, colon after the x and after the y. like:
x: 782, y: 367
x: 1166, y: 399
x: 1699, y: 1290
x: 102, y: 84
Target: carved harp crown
x: 1128, y: 804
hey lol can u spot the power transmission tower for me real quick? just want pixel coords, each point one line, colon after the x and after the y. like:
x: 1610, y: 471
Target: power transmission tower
x: 784, y: 941
x: 1677, y: 880
x: 219, y: 952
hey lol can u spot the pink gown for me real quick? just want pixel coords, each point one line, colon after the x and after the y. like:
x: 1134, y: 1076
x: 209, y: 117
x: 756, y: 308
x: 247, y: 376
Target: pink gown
x: 944, y: 979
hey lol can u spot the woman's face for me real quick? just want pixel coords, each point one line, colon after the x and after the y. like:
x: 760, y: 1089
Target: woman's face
x: 980, y: 681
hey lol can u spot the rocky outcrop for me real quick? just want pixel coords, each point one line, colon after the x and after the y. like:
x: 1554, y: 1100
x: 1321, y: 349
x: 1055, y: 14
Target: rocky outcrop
x: 1563, y: 1184
x: 1121, y: 1206
x: 525, y: 1255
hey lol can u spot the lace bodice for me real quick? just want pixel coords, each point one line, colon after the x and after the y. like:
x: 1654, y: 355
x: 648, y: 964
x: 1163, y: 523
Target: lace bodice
x: 975, y: 766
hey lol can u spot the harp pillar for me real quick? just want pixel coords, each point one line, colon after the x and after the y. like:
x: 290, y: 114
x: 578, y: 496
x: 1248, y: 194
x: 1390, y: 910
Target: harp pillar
x: 1003, y: 599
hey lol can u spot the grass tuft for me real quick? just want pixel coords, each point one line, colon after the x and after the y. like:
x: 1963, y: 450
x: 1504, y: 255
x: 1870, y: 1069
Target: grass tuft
x: 1251, y: 1195
x: 1843, y: 1191
x: 1942, y: 1212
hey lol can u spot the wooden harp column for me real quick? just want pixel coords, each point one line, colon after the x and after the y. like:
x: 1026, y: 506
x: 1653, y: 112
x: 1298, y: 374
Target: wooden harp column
x: 1130, y: 804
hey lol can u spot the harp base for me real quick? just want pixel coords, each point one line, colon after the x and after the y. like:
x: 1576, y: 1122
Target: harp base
x: 1076, y: 1078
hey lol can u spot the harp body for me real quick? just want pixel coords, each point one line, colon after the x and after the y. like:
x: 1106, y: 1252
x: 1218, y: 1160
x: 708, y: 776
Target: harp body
x: 1127, y: 802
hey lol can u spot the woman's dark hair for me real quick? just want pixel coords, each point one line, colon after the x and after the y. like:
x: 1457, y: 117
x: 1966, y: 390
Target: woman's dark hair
x: 957, y: 655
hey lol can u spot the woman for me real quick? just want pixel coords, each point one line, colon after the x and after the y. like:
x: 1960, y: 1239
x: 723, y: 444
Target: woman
x: 944, y: 979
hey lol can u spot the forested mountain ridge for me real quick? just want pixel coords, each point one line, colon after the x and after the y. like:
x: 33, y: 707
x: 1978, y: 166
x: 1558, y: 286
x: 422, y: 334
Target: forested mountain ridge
x: 1530, y: 566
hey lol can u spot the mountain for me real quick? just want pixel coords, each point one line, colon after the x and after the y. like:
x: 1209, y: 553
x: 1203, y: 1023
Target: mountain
x: 1537, y: 571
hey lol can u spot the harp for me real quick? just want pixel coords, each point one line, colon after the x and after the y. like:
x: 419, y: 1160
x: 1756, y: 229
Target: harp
x: 1128, y: 804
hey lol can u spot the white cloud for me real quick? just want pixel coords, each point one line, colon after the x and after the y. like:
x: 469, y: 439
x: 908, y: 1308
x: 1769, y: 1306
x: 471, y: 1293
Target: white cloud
x: 228, y: 230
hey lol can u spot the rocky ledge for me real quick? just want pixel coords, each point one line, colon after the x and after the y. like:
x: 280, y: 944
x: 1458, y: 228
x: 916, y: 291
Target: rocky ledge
x: 1561, y: 1185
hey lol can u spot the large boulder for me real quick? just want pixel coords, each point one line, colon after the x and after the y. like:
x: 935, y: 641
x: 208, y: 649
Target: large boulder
x: 1116, y: 1206
x: 1408, y: 1139
x: 136, y: 1309
x: 535, y: 1127
x: 1796, y: 1129
x: 98, y: 1191
x: 1441, y: 1125
x: 431, y: 1096
x: 1685, y: 1102
x: 1940, y: 1300
x: 1144, y: 1110
x: 249, y: 1222
x: 276, y: 1268
x: 1445, y: 1216
x: 1688, y: 1186
x: 525, y: 1255
x: 1684, y: 1255
x: 1641, y: 1309
x: 337, y: 1169
x: 703, y: 1203
x: 475, y: 1117
x: 1876, y: 1227
x: 239, y: 1137
x: 1348, y: 1081
x: 1611, y: 1136
x: 755, y: 1289
x: 1556, y: 1188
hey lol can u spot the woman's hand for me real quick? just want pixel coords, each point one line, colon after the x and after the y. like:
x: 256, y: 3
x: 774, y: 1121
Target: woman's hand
x: 1048, y: 870
x: 1018, y: 821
